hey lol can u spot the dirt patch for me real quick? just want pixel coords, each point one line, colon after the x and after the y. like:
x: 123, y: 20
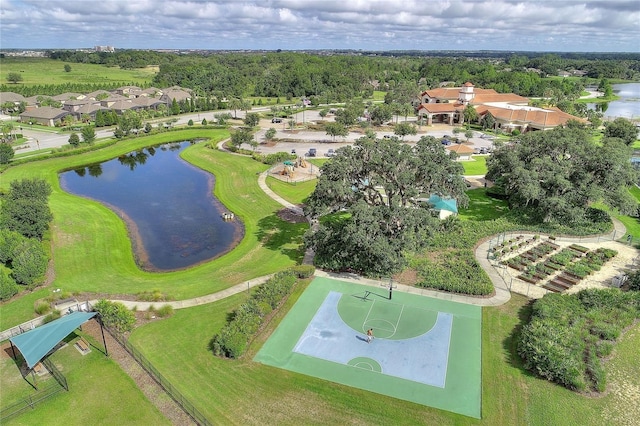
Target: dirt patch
x: 290, y: 216
x: 407, y: 277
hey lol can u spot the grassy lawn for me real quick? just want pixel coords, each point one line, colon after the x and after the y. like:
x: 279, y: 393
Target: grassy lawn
x: 241, y: 391
x: 92, y: 251
x: 35, y: 71
x: 294, y: 192
x: 482, y: 207
x: 476, y: 167
x: 99, y: 392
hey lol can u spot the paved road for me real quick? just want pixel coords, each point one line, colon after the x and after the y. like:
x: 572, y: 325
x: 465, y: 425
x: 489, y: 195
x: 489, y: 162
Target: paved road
x: 300, y: 140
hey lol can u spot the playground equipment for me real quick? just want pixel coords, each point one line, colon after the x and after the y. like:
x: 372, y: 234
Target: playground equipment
x: 288, y: 168
x: 301, y: 162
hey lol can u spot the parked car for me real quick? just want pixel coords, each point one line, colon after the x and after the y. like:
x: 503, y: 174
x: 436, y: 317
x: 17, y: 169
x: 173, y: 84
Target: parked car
x: 312, y: 152
x: 488, y: 137
x: 446, y: 142
x: 276, y: 120
x: 293, y: 151
x: 331, y: 152
x: 484, y: 150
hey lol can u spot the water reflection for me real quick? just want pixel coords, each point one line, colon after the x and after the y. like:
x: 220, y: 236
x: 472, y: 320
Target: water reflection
x: 173, y: 219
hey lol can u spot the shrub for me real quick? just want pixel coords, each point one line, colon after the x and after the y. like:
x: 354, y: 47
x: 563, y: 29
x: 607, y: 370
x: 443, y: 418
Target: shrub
x: 30, y: 263
x: 115, y: 315
x: 165, y: 311
x: 304, y: 271
x: 42, y: 307
x: 54, y: 315
x: 245, y: 321
x: 567, y: 335
x: 8, y: 287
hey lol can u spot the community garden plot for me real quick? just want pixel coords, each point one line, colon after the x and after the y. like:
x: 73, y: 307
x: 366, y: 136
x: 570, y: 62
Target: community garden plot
x: 424, y: 350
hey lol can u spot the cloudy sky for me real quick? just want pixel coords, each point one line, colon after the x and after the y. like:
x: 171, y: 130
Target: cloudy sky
x: 540, y: 25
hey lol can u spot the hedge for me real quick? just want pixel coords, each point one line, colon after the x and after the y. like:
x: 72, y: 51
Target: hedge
x: 233, y: 339
x: 568, y: 334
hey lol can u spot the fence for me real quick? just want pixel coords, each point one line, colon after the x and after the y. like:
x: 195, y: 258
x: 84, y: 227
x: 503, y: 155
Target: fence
x: 182, y: 401
x: 41, y: 395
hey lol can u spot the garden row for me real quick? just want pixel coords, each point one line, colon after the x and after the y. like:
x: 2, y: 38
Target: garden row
x: 559, y: 270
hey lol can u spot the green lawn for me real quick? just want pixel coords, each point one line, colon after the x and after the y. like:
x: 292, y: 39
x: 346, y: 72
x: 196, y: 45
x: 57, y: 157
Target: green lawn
x: 481, y: 207
x: 476, y: 167
x: 242, y: 391
x: 92, y: 251
x: 99, y: 392
x: 294, y: 192
x: 39, y: 71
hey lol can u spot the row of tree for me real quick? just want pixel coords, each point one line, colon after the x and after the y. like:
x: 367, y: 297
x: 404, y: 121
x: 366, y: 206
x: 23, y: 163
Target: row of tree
x: 24, y: 218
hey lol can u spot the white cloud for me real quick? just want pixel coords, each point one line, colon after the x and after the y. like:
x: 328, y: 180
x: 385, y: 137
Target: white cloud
x: 302, y: 24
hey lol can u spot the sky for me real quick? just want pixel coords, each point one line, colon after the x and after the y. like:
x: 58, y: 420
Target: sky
x: 508, y: 25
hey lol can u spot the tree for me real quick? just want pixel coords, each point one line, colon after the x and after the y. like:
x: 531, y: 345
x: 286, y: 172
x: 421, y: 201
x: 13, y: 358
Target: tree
x: 403, y: 129
x: 74, y: 140
x: 621, y: 128
x: 6, y: 153
x: 67, y: 68
x: 386, y: 172
x: 8, y: 287
x: 380, y: 114
x: 26, y: 208
x: 175, y: 108
x: 222, y: 118
x: 88, y: 134
x: 374, y: 185
x: 252, y: 119
x: 336, y: 129
x: 204, y: 122
x: 235, y: 104
x: 468, y: 134
x: 14, y: 77
x: 241, y: 136
x: 554, y: 175
x: 147, y: 127
x: 470, y: 114
x: 29, y: 264
x: 270, y: 134
x: 488, y: 121
x: 115, y: 315
x: 190, y: 123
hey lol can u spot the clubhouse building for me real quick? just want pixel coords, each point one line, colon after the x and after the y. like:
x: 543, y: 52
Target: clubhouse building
x: 510, y: 111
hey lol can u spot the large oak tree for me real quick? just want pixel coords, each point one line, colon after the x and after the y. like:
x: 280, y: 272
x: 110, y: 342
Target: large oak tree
x: 555, y: 175
x: 375, y: 185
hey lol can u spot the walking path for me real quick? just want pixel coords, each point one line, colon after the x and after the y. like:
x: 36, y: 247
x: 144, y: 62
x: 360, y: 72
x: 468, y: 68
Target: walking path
x: 501, y: 295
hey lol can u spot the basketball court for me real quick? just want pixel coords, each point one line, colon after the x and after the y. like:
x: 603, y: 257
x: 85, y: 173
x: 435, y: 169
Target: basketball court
x: 424, y: 350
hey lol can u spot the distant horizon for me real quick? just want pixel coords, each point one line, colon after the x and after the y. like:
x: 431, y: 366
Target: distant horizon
x: 293, y: 25
x: 348, y: 49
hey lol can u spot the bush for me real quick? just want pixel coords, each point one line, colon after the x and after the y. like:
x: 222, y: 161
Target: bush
x: 9, y: 241
x: 30, y: 263
x: 115, y: 315
x: 568, y: 334
x: 165, y: 311
x: 245, y: 321
x: 304, y: 271
x: 8, y: 287
x: 54, y: 315
x: 42, y: 307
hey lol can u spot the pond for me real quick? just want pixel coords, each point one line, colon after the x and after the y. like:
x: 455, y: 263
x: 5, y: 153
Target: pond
x: 628, y: 106
x: 173, y: 219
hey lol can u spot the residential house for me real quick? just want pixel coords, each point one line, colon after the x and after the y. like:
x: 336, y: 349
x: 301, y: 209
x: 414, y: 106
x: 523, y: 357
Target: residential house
x: 46, y: 116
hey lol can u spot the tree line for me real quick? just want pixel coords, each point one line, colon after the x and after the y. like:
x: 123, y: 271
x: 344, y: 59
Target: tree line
x: 337, y: 77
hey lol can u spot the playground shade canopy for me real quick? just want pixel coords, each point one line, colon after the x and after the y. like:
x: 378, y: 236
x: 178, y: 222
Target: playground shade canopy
x: 37, y: 343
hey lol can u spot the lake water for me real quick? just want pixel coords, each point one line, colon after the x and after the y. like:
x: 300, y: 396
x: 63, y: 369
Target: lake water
x: 173, y: 219
x: 628, y: 106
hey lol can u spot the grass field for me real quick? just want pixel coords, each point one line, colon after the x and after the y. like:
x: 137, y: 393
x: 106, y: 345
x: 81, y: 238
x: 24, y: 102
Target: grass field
x: 295, y: 192
x: 99, y: 392
x: 92, y: 249
x: 39, y: 71
x: 92, y: 252
x: 482, y: 207
x: 476, y: 167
